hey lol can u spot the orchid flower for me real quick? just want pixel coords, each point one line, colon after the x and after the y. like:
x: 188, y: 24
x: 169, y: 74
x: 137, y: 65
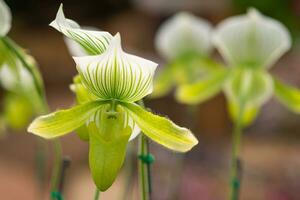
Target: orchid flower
x: 22, y: 99
x: 250, y: 44
x: 109, y: 84
x: 184, y: 41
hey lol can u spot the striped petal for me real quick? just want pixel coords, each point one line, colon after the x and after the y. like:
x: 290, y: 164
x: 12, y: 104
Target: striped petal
x: 5, y: 18
x: 116, y: 74
x: 93, y: 42
x: 75, y: 49
x: 251, y: 40
x: 183, y: 33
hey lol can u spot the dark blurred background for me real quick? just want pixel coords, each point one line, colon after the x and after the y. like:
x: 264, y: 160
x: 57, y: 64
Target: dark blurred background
x: 270, y: 148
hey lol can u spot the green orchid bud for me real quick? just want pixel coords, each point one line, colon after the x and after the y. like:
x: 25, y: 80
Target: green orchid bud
x: 108, y: 85
x: 182, y: 34
x: 252, y: 40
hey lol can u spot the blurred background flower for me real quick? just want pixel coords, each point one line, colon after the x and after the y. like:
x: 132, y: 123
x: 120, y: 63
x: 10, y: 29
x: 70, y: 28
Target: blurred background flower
x: 270, y: 146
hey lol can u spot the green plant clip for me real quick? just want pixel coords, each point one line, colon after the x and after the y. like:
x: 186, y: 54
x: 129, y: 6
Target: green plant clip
x: 147, y: 159
x: 56, y: 195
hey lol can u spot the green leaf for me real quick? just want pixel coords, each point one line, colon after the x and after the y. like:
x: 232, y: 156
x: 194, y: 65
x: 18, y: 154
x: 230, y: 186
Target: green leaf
x: 251, y: 40
x: 164, y: 82
x: 64, y: 121
x: 116, y: 74
x: 5, y: 18
x: 161, y: 129
x: 287, y: 95
x: 93, y: 42
x: 107, y: 148
x: 203, y: 89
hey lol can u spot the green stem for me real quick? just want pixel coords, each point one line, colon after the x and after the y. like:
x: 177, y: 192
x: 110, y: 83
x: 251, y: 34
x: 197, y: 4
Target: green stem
x: 144, y: 168
x: 97, y: 194
x: 57, y: 165
x: 236, y: 162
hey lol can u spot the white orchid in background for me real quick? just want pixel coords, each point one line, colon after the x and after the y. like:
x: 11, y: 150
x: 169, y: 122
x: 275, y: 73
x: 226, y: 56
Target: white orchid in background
x: 18, y: 75
x: 109, y: 84
x: 184, y: 41
x: 250, y: 44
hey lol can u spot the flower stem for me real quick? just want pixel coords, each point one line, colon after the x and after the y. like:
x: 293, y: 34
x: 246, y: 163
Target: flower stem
x: 97, y: 194
x: 145, y: 160
x: 57, y: 165
x: 235, y: 180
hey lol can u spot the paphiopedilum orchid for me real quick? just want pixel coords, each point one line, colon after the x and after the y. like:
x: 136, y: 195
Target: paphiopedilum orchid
x: 250, y: 44
x: 184, y: 41
x: 19, y: 77
x: 109, y: 84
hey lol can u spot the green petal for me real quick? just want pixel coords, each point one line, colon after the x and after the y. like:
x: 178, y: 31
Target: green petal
x: 82, y: 94
x: 249, y: 112
x: 252, y: 40
x: 5, y: 18
x: 184, y: 33
x: 64, y: 121
x: 161, y: 129
x: 107, y: 148
x: 250, y: 88
x: 116, y: 74
x: 287, y: 95
x: 18, y: 111
x: 93, y: 42
x: 16, y: 77
x: 83, y: 133
x: 7, y: 56
x: 203, y: 89
x: 164, y: 82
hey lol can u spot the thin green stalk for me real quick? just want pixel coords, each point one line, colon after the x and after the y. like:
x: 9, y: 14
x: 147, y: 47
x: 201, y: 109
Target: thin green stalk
x: 236, y: 165
x: 40, y: 163
x: 144, y: 168
x: 97, y: 194
x: 57, y: 165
